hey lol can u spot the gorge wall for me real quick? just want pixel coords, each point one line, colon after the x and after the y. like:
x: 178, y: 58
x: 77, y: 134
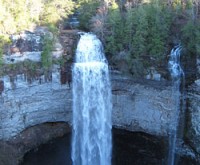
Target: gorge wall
x: 136, y: 107
x: 31, y: 104
x: 193, y: 124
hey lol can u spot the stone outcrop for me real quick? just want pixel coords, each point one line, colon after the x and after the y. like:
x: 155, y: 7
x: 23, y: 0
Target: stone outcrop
x: 136, y: 107
x: 12, y: 151
x: 28, y: 45
x: 193, y: 129
x: 31, y: 104
x: 25, y: 95
x: 69, y: 39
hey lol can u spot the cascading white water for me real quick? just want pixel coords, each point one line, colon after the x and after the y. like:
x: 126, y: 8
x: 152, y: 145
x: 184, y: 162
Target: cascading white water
x: 177, y: 75
x: 91, y: 137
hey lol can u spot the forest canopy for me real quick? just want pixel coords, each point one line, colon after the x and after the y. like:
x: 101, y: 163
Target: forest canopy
x: 17, y: 15
x: 144, y: 31
x: 141, y: 31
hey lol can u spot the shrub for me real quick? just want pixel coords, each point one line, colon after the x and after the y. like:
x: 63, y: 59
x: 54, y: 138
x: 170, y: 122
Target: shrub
x: 46, y: 56
x: 190, y: 37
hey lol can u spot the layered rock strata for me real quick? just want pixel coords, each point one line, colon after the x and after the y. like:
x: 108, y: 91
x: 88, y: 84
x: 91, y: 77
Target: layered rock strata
x: 136, y: 106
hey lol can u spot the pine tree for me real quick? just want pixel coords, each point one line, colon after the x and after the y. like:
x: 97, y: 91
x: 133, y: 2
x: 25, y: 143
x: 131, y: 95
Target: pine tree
x: 140, y: 32
x: 115, y: 34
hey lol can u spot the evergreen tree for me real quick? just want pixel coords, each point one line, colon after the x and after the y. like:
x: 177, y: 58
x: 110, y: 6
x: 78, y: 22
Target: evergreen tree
x: 191, y: 37
x: 47, y: 52
x: 17, y: 15
x: 56, y: 10
x: 140, y: 32
x: 158, y: 30
x: 86, y: 10
x: 115, y: 30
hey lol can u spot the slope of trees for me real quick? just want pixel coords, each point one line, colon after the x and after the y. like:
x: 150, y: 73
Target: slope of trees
x: 146, y: 30
x: 143, y: 30
x: 17, y: 15
x: 86, y: 10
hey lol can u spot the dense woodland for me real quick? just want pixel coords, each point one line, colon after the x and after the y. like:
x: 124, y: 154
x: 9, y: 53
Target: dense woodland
x: 144, y: 31
x: 19, y: 15
x: 141, y: 31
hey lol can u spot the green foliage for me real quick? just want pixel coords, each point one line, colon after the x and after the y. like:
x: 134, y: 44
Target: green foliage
x: 1, y: 57
x: 159, y: 22
x: 86, y: 9
x: 139, y: 37
x: 114, y: 38
x: 4, y: 39
x: 17, y: 15
x: 53, y: 29
x: 136, y: 66
x: 29, y: 66
x: 47, y: 52
x: 141, y: 31
x: 191, y: 37
x: 56, y: 10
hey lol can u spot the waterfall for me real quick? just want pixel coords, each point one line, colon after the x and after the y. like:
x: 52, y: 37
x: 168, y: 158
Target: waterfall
x: 177, y: 75
x: 91, y: 136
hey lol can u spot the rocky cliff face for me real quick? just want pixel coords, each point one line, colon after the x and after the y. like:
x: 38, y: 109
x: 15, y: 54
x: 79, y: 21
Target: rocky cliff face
x: 193, y: 125
x: 144, y: 106
x: 141, y: 106
x: 31, y: 104
x: 137, y: 107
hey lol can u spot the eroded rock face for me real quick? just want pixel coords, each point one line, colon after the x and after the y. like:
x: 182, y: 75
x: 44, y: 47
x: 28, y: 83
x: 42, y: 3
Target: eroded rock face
x: 136, y: 107
x: 1, y: 86
x: 140, y: 106
x: 28, y: 45
x: 29, y: 41
x: 193, y: 131
x: 12, y: 151
x: 26, y: 104
x: 198, y: 67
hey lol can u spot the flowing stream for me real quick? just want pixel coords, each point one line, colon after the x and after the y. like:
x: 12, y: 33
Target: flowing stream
x: 91, y: 136
x: 177, y: 75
